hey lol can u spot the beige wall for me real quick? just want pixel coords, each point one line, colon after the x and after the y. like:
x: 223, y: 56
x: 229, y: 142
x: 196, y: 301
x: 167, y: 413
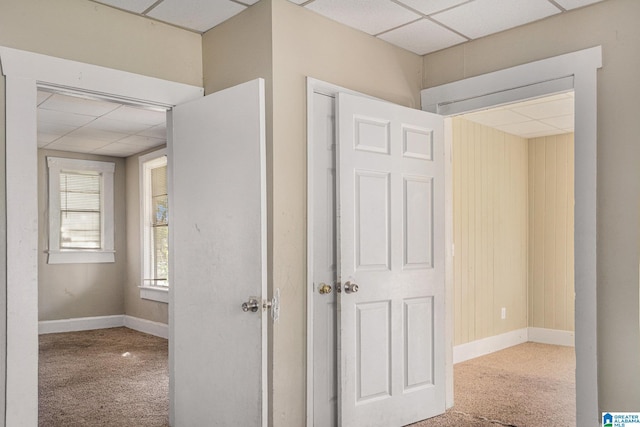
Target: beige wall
x: 613, y: 25
x: 490, y: 231
x: 133, y: 304
x: 551, y: 275
x: 89, y: 32
x: 68, y: 291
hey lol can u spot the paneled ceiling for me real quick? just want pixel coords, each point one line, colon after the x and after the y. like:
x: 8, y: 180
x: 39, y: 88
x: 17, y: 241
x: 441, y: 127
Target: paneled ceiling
x: 421, y: 26
x: 71, y: 123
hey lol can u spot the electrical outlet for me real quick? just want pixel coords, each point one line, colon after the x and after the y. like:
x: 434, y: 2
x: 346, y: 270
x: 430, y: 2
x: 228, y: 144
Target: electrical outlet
x: 503, y: 313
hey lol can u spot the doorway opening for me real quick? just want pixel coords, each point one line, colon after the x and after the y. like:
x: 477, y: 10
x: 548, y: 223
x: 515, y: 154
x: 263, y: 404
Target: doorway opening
x: 91, y: 261
x: 24, y: 73
x: 513, y: 236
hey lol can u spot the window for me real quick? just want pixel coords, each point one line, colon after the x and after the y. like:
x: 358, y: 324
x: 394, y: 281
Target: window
x: 154, y: 196
x: 80, y: 211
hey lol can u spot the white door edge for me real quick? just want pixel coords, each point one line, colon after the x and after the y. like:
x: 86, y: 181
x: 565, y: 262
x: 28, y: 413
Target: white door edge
x: 486, y: 91
x: 329, y: 89
x: 24, y: 71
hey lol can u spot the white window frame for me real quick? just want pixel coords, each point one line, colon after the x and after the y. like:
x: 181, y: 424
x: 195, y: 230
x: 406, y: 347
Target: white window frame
x: 146, y: 163
x: 58, y: 255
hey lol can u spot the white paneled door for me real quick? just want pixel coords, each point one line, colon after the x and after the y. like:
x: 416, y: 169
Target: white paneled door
x: 218, y: 247
x: 391, y: 364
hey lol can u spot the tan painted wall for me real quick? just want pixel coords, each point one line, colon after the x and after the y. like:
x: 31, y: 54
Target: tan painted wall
x: 133, y: 304
x: 613, y: 25
x: 551, y: 275
x: 89, y: 32
x: 490, y: 231
x: 67, y: 291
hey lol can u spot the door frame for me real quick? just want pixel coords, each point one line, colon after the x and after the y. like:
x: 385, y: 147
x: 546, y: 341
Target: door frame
x: 24, y: 73
x: 329, y: 89
x: 577, y: 71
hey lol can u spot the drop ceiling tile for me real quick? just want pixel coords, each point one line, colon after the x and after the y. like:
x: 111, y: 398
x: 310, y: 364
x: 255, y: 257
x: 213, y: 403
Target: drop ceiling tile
x: 70, y: 141
x: 572, y: 4
x: 118, y: 126
x: 69, y: 148
x: 544, y: 110
x: 97, y: 134
x: 62, y: 118
x: 142, y: 141
x: 137, y: 6
x: 159, y: 131
x: 138, y: 115
x: 370, y: 16
x: 72, y: 104
x: 527, y: 128
x: 432, y: 6
x: 543, y: 133
x: 422, y: 37
x: 42, y: 96
x: 54, y: 129
x: 483, y: 17
x: 561, y: 122
x: 496, y: 117
x: 117, y: 149
x: 199, y: 15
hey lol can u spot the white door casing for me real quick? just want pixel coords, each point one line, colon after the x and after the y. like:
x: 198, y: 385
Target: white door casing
x: 25, y: 71
x: 391, y: 360
x: 218, y: 225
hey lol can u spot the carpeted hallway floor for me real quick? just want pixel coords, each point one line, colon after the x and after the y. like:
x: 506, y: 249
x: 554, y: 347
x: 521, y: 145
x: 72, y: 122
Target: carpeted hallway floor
x: 119, y: 377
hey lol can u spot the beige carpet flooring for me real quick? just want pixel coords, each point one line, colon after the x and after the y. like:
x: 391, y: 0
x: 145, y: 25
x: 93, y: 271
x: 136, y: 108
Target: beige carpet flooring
x: 119, y: 377
x: 106, y: 377
x: 529, y: 385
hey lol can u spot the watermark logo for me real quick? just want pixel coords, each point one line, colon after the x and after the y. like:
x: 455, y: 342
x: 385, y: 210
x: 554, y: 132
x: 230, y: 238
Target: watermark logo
x: 621, y: 419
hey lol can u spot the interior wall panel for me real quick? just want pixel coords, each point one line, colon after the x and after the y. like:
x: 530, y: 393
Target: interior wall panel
x: 551, y: 248
x: 490, y: 231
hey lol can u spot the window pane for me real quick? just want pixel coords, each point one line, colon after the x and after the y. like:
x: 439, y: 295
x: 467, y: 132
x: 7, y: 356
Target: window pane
x: 79, y: 210
x: 161, y: 254
x: 160, y: 210
x: 80, y: 230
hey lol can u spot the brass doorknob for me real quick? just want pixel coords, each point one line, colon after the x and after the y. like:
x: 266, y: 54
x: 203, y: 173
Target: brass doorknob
x: 324, y: 289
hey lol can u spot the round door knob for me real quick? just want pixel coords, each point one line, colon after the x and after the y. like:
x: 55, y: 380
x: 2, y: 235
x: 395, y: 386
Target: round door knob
x: 324, y: 288
x: 350, y: 288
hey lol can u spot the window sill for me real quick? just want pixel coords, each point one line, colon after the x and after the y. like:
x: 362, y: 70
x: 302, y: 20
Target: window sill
x: 80, y: 257
x: 155, y: 293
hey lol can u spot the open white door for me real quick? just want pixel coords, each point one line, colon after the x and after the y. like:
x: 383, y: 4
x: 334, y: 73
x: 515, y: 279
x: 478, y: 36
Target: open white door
x: 218, y: 225
x: 391, y: 263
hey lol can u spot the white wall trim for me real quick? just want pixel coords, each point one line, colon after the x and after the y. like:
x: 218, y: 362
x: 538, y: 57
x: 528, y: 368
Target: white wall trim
x: 552, y: 336
x: 495, y: 88
x: 25, y: 72
x: 482, y: 347
x: 104, y: 322
x: 489, y: 345
x: 147, y: 326
x: 79, y: 324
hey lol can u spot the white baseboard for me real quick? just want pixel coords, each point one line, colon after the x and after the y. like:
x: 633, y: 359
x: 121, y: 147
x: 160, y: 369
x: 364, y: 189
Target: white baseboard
x: 103, y: 322
x: 552, y: 336
x: 80, y: 324
x: 489, y: 345
x: 147, y: 326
